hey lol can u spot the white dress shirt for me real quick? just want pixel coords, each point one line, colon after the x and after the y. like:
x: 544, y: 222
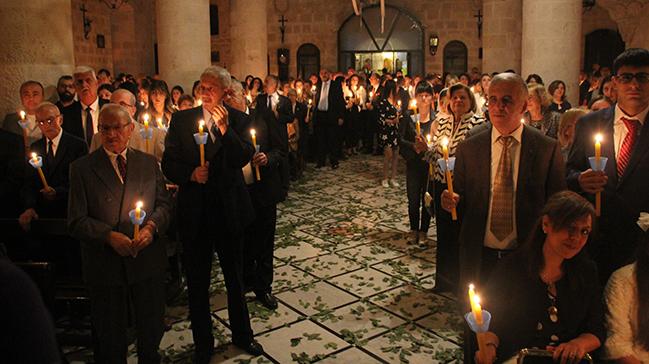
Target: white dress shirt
x: 55, y: 143
x: 619, y: 128
x: 490, y: 240
x: 274, y: 100
x: 207, y: 117
x: 113, y: 160
x: 323, y: 104
x: 94, y: 107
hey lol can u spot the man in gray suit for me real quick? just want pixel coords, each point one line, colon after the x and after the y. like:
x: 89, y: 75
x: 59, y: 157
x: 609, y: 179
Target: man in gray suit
x: 119, y: 270
x: 504, y: 174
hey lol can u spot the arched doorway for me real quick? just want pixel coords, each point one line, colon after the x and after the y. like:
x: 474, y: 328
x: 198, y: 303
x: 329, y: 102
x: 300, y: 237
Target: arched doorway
x: 362, y: 45
x: 455, y: 58
x: 602, y: 46
x: 308, y: 60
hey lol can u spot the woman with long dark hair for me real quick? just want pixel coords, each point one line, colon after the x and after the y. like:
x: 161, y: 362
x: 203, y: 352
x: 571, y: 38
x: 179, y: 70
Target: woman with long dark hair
x: 627, y: 298
x: 160, y: 106
x: 546, y: 295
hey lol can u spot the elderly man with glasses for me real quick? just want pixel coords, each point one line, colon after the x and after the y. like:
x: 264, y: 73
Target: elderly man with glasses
x: 156, y: 135
x: 121, y: 270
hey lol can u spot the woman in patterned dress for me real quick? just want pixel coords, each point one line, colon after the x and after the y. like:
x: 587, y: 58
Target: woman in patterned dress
x: 389, y: 116
x: 454, y: 126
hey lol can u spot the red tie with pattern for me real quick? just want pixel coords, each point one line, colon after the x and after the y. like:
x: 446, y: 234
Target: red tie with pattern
x: 626, y: 149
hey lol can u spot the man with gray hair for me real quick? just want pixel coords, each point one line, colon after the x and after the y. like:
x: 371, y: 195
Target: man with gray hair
x: 155, y: 146
x: 213, y: 206
x: 121, y: 270
x: 81, y: 117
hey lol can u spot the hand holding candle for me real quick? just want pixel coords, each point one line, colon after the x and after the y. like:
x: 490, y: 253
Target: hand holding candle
x: 37, y: 162
x: 598, y: 159
x: 253, y: 134
x: 138, y: 216
x: 201, y: 146
x: 145, y: 117
x: 449, y: 176
x: 477, y: 321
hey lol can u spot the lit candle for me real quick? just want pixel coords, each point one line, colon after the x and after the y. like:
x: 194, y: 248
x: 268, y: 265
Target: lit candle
x: 23, y: 114
x: 308, y: 110
x: 398, y: 109
x: 313, y: 88
x: 142, y: 103
x: 522, y: 121
x: 371, y: 95
x: 199, y: 102
x: 476, y: 309
x: 160, y: 124
x: 138, y: 214
x: 598, y: 158
x: 40, y: 171
x: 201, y: 125
x: 253, y: 134
x: 146, y: 117
x: 299, y: 92
x: 449, y: 177
x: 428, y: 140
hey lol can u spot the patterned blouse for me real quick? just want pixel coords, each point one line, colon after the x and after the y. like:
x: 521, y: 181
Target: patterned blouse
x: 455, y: 135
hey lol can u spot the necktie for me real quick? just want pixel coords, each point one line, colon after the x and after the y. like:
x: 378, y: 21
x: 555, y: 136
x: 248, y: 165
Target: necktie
x: 121, y: 166
x: 502, y: 205
x: 626, y: 149
x: 50, y: 152
x: 90, y: 131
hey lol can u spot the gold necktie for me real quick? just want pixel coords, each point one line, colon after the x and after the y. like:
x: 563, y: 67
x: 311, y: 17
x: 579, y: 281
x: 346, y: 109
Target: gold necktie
x: 502, y: 204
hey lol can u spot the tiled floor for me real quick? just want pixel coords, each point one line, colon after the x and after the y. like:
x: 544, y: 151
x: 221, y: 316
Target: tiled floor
x: 351, y: 288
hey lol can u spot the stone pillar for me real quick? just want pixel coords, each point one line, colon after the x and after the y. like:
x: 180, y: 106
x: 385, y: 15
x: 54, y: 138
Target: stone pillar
x: 501, y: 35
x: 36, y: 45
x: 552, y: 42
x: 248, y: 38
x: 183, y: 32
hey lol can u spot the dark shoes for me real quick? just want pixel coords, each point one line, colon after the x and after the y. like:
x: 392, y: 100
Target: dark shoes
x: 251, y: 347
x: 268, y: 300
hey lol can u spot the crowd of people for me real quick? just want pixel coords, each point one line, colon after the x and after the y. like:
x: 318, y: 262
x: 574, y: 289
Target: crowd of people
x: 500, y: 162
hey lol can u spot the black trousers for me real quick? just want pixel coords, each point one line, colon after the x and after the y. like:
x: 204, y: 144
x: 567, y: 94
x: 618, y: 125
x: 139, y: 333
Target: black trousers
x: 416, y: 187
x: 259, y: 247
x: 448, y: 259
x: 327, y: 133
x: 109, y: 311
x: 369, y: 119
x: 197, y: 262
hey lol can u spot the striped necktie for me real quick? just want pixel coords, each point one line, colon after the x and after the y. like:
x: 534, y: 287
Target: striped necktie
x: 623, y: 157
x: 502, y: 204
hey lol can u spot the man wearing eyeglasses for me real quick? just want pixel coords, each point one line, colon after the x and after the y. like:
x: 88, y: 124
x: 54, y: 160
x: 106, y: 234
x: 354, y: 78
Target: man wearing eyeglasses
x: 623, y: 183
x: 155, y: 146
x: 123, y: 274
x: 57, y: 149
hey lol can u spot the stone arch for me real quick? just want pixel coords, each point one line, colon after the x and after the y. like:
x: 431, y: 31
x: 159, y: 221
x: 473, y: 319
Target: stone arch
x: 456, y: 56
x: 308, y: 60
x: 602, y: 46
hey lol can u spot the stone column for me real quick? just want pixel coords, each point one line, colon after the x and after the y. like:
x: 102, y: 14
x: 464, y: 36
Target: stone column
x: 183, y: 31
x: 501, y: 35
x: 36, y: 45
x: 248, y: 38
x: 552, y: 42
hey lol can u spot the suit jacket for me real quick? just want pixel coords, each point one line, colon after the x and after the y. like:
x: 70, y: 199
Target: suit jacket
x: 336, y: 101
x: 541, y: 173
x: 624, y: 197
x: 156, y: 143
x: 72, y: 121
x: 100, y: 203
x: 12, y: 157
x: 57, y: 173
x: 224, y: 197
x: 272, y: 138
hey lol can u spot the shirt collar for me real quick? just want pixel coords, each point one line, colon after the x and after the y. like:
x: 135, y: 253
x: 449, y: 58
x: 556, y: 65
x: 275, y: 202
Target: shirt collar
x: 207, y: 116
x: 94, y: 106
x: 112, y: 155
x: 57, y: 138
x: 619, y: 114
x: 516, y: 134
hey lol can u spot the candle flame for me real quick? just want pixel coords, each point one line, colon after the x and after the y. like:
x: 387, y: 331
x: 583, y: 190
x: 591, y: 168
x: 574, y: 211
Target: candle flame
x: 138, y: 205
x: 22, y: 114
x: 599, y: 137
x: 159, y: 121
x: 34, y: 157
x: 313, y: 88
x: 310, y: 101
x: 522, y: 121
x: 146, y: 117
x: 399, y: 103
x: 201, y: 125
x: 200, y: 102
x: 445, y: 144
x: 471, y: 287
x: 141, y: 103
x: 476, y: 300
x: 253, y: 132
x: 428, y: 137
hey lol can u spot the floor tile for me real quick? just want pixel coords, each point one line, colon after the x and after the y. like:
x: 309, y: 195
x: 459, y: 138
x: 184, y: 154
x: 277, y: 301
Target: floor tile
x: 315, y: 298
x: 365, y: 282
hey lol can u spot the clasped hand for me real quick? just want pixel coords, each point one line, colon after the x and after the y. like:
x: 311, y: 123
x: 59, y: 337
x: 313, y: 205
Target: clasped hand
x: 449, y: 202
x: 200, y: 174
x: 259, y: 159
x: 420, y: 144
x: 125, y: 246
x: 592, y: 181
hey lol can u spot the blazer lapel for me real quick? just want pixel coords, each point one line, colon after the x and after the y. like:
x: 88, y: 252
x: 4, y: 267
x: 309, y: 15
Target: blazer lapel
x: 60, y: 154
x: 484, y: 163
x: 106, y: 173
x: 641, y: 148
x: 132, y: 187
x: 526, y: 163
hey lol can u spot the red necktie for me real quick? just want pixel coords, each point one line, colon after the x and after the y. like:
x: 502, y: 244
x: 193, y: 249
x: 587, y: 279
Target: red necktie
x: 626, y: 149
x: 121, y: 166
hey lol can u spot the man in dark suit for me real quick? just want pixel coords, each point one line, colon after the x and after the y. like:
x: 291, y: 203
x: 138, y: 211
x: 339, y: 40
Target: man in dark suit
x: 503, y: 176
x: 271, y: 116
x: 213, y: 207
x: 12, y: 157
x: 329, y: 109
x: 370, y: 115
x: 624, y: 181
x: 120, y: 272
x: 58, y: 150
x: 298, y: 136
x: 81, y: 117
x: 31, y: 95
x: 65, y: 90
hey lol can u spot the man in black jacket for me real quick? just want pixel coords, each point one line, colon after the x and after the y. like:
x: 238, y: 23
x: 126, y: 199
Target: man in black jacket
x: 329, y: 109
x: 213, y: 207
x: 271, y: 116
x: 81, y: 117
x: 12, y: 154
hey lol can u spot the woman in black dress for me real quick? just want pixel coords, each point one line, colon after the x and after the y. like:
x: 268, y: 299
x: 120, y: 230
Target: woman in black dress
x: 389, y: 115
x: 547, y: 294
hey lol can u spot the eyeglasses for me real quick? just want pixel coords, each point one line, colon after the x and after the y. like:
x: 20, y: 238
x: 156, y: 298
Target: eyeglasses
x: 104, y: 129
x: 642, y: 77
x: 49, y: 121
x: 122, y: 103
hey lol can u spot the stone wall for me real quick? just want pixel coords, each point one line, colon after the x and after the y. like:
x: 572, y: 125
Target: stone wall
x: 631, y: 17
x: 86, y: 51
